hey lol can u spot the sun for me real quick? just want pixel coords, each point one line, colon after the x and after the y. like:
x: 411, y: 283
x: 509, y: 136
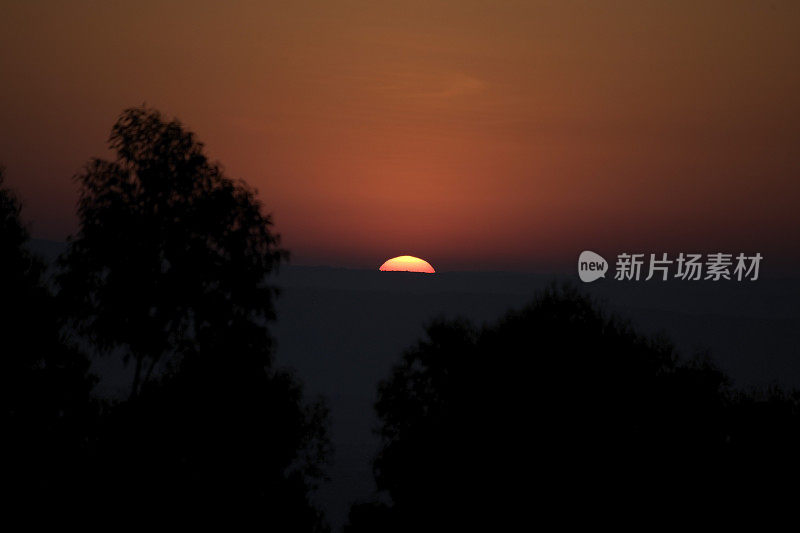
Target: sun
x: 407, y: 263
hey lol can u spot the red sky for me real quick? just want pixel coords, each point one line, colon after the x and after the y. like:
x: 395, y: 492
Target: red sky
x: 477, y: 135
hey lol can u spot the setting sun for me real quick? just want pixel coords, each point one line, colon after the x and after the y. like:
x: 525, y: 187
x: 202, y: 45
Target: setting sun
x: 407, y: 263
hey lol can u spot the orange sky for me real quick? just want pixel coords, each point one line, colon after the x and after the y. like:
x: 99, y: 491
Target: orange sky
x: 477, y: 135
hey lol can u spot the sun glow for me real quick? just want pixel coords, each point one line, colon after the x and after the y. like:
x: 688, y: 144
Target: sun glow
x: 407, y: 263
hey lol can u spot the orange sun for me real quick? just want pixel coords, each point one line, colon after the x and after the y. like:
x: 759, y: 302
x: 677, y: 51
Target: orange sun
x: 407, y: 263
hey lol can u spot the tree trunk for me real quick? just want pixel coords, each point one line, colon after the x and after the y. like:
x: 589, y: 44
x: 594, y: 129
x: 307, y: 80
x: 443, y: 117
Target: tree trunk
x: 136, y: 377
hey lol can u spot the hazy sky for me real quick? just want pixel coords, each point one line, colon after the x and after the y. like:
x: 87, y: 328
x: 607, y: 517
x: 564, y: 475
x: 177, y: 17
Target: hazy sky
x: 473, y: 134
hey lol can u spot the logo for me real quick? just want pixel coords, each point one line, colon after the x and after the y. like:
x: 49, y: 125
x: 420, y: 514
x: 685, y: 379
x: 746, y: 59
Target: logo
x: 591, y: 266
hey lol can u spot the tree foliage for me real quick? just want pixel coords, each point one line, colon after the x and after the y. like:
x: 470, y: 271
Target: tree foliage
x: 171, y: 266
x: 561, y: 410
x: 47, y: 411
x: 170, y: 252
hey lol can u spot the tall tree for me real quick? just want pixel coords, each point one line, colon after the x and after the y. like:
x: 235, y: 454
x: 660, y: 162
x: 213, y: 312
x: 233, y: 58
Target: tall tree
x: 170, y: 268
x: 169, y: 249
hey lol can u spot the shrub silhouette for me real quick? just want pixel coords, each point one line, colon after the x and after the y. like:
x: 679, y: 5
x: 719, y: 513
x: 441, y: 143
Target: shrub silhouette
x: 47, y: 410
x: 169, y: 269
x: 561, y: 411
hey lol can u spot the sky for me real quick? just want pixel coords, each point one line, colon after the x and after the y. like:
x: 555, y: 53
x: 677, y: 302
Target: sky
x: 477, y: 135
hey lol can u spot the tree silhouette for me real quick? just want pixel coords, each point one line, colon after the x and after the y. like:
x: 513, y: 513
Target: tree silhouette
x: 169, y: 268
x: 169, y: 251
x: 562, y: 411
x: 47, y: 410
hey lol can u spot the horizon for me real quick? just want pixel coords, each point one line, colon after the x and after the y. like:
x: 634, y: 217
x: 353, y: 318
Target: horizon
x: 568, y: 271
